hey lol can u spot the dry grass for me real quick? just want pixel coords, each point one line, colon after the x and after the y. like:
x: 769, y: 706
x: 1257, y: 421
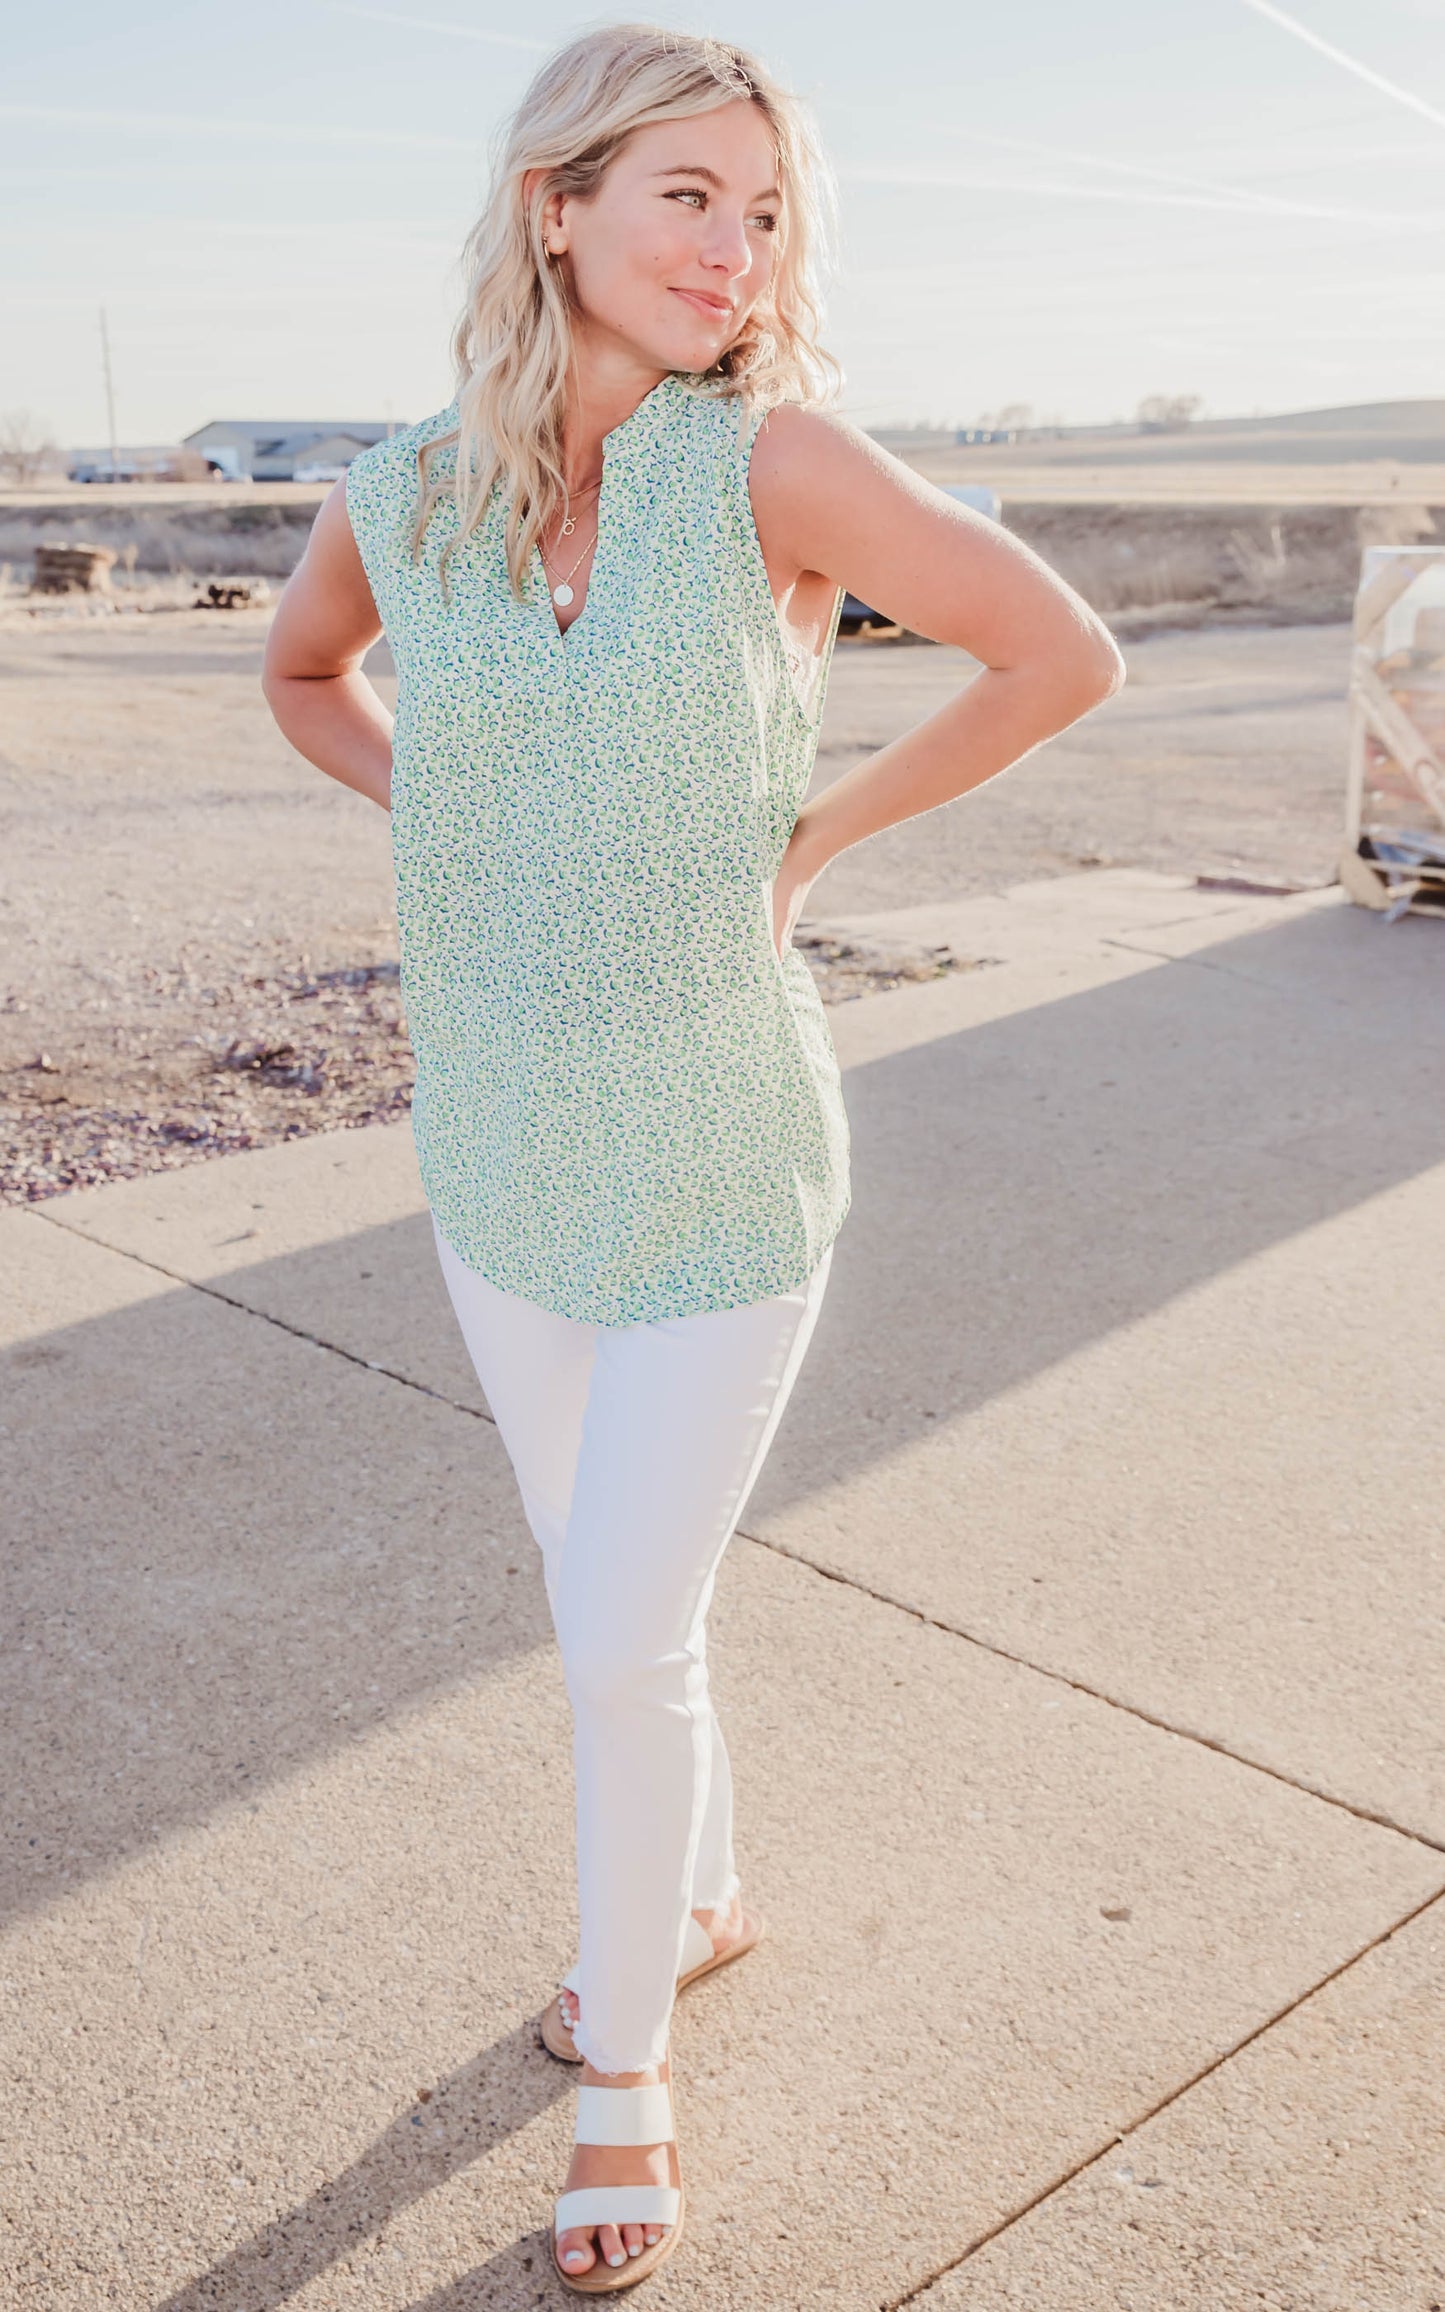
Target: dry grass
x: 132, y: 593
x: 1277, y: 564
x: 191, y: 536
x: 1282, y: 562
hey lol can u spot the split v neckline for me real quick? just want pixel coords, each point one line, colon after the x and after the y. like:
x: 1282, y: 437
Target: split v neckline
x: 615, y: 446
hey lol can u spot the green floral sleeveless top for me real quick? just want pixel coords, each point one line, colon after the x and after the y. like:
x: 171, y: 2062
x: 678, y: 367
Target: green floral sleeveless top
x: 627, y: 1107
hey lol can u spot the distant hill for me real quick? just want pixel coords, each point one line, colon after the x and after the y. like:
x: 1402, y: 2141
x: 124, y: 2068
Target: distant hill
x: 1402, y: 433
x: 1411, y: 419
x: 1409, y: 432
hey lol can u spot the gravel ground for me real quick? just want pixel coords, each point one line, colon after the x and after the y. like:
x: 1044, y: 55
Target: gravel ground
x: 199, y: 947
x: 194, y: 1069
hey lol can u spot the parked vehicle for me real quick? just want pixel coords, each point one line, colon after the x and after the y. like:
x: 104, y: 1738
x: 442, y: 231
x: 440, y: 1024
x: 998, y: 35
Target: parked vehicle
x: 92, y: 471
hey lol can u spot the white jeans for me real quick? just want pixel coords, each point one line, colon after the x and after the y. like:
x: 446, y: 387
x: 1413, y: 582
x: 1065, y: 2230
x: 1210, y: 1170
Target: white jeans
x: 635, y: 1448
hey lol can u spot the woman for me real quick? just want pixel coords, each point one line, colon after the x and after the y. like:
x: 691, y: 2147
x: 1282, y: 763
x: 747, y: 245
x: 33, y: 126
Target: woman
x: 610, y: 574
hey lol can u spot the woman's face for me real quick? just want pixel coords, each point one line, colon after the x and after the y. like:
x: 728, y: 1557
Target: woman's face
x: 674, y: 249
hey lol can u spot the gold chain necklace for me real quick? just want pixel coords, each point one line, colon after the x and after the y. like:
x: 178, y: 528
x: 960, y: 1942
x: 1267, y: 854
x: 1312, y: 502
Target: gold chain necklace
x: 563, y: 592
x: 569, y: 519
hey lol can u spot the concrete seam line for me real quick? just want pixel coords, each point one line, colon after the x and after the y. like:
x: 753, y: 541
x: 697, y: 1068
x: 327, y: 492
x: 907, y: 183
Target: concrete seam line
x: 1205, y: 963
x: 823, y: 1572
x: 1098, y: 1694
x: 1121, y: 2135
x: 265, y: 1317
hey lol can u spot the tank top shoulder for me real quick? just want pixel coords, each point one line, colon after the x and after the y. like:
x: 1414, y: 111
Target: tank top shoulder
x: 627, y: 1106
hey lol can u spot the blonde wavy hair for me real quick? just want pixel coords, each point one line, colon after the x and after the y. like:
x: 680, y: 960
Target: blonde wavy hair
x: 513, y: 342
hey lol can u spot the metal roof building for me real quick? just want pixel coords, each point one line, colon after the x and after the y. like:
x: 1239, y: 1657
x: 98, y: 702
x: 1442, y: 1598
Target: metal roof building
x: 270, y: 449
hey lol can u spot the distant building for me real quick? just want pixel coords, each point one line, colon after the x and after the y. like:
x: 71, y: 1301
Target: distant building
x: 158, y: 462
x: 326, y: 460
x: 271, y: 449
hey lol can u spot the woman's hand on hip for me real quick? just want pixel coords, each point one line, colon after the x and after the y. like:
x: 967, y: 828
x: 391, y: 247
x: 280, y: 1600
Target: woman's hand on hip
x: 795, y: 879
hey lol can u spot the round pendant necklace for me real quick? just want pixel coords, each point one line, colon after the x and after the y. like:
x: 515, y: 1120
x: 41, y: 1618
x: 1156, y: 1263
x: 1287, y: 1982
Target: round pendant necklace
x: 562, y: 592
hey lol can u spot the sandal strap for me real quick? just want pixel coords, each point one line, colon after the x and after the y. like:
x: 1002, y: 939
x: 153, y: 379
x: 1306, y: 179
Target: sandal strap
x: 616, y: 2204
x: 627, y: 2115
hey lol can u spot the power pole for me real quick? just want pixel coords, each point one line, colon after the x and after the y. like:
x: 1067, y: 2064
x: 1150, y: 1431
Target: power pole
x: 109, y: 395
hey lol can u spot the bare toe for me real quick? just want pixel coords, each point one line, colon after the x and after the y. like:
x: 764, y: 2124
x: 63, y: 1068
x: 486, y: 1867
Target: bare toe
x: 575, y: 2252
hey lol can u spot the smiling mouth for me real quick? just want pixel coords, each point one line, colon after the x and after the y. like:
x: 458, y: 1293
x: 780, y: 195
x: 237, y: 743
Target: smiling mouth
x: 716, y: 308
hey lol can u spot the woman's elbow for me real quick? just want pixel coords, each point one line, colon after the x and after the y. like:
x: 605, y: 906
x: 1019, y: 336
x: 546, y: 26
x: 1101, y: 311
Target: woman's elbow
x: 1076, y: 661
x: 1101, y: 670
x: 281, y: 687
x: 274, y: 670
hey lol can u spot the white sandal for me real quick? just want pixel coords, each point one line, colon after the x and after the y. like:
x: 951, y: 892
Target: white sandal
x: 698, y: 1959
x: 620, y: 2115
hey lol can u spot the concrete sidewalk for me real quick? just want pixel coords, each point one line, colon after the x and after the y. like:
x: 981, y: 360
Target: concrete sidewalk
x: 1081, y: 1664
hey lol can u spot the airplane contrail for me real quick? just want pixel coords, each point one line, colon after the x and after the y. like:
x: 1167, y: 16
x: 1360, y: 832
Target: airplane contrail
x: 434, y: 24
x: 974, y: 181
x: 1352, y: 64
x: 1234, y: 196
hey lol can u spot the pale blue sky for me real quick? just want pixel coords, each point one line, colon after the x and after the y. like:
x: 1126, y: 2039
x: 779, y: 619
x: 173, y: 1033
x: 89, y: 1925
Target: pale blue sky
x: 1065, y: 205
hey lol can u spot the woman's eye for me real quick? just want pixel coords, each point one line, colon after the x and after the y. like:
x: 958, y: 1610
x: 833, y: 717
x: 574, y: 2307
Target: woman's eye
x: 765, y: 217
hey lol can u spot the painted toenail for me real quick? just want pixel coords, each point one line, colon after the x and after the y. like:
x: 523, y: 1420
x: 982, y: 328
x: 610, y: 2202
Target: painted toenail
x: 619, y: 2258
x: 574, y: 2255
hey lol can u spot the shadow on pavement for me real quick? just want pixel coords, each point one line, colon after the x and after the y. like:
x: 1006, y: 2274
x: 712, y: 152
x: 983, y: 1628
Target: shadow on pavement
x: 1024, y: 1187
x: 231, y: 1552
x: 491, y: 2098
x: 234, y: 1550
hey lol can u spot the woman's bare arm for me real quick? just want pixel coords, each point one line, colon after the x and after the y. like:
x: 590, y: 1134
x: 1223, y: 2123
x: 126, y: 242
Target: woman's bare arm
x: 325, y: 623
x: 829, y: 500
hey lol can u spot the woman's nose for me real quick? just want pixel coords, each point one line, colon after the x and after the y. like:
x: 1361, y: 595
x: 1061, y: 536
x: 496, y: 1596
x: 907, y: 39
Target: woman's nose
x: 727, y: 247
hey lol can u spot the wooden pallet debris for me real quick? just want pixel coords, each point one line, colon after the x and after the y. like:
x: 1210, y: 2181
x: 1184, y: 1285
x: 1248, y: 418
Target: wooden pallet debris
x: 73, y: 569
x: 1394, y: 855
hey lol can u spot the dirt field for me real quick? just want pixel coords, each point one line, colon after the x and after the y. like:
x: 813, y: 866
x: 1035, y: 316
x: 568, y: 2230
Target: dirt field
x: 199, y: 945
x: 1262, y: 543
